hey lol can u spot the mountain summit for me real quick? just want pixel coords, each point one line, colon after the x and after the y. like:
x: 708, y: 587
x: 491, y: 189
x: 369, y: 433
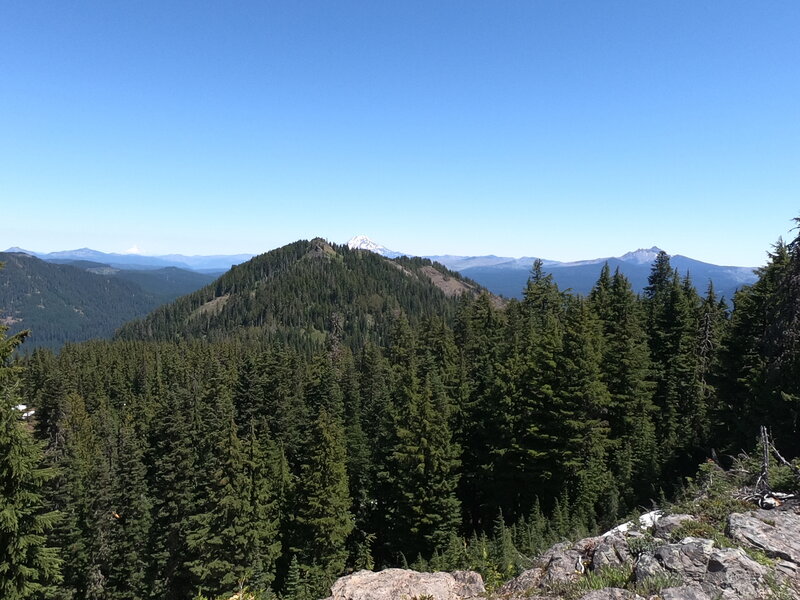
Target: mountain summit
x: 306, y: 293
x: 641, y: 256
x: 362, y: 242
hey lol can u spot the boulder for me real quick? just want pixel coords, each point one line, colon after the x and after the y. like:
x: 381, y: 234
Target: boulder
x: 684, y: 592
x: 647, y: 566
x: 669, y: 523
x: 775, y: 532
x: 522, y: 583
x: 688, y: 558
x: 735, y: 575
x: 611, y: 550
x: 402, y: 584
x: 564, y: 565
x: 559, y: 564
x: 720, y: 572
x: 611, y: 594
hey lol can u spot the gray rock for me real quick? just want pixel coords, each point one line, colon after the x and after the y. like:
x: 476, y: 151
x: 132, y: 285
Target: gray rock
x: 669, y: 523
x: 647, y: 566
x: 723, y: 573
x: 522, y: 583
x: 684, y: 592
x: 468, y: 583
x: 735, y: 575
x: 611, y: 550
x: 777, y: 533
x: 400, y: 584
x: 788, y: 569
x: 611, y: 594
x: 587, y: 546
x: 564, y: 565
x: 689, y: 558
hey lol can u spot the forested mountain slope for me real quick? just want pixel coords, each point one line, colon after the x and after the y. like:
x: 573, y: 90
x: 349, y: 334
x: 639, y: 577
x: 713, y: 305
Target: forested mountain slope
x: 187, y: 467
x: 301, y: 292
x: 60, y: 303
x: 167, y: 283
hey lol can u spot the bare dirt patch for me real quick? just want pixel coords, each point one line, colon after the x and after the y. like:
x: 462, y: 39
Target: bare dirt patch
x: 212, y: 307
x: 449, y: 285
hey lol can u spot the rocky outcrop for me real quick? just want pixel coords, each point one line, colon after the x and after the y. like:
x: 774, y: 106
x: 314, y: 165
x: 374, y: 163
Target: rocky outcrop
x: 611, y: 594
x: 611, y: 551
x: 684, y: 592
x: 669, y: 523
x: 690, y: 569
x: 402, y: 584
x: 774, y: 532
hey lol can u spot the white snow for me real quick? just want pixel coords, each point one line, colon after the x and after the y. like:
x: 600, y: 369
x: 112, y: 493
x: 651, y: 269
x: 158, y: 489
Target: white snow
x: 362, y: 242
x: 646, y: 521
x: 641, y: 256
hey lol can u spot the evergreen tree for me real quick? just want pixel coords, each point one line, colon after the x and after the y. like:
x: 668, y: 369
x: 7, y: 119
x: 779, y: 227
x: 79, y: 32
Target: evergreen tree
x: 625, y: 368
x: 261, y: 545
x: 131, y: 515
x: 582, y: 403
x: 532, y: 365
x: 323, y: 503
x: 28, y: 567
x: 478, y: 418
x: 744, y: 398
x: 172, y: 479
x: 422, y: 472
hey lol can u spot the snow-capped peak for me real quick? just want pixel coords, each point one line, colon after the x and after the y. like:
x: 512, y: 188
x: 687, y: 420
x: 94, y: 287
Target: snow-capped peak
x: 18, y: 250
x: 641, y: 256
x: 362, y: 242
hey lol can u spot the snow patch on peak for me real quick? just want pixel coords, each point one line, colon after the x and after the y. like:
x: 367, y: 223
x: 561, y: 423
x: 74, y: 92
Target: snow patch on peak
x: 362, y: 242
x: 642, y: 255
x: 18, y: 250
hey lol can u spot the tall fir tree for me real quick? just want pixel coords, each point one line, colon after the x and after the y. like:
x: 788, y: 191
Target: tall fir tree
x: 28, y: 566
x: 582, y: 404
x: 423, y: 472
x: 625, y: 368
x: 322, y: 504
x: 131, y: 516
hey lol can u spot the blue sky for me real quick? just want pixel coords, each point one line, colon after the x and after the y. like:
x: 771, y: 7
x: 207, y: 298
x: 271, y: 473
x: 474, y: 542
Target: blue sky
x: 558, y: 129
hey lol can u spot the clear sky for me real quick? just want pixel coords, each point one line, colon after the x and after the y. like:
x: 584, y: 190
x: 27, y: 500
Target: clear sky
x: 552, y: 128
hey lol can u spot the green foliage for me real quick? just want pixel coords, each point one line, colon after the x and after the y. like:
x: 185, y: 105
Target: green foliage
x: 322, y: 503
x: 62, y: 303
x: 710, y: 497
x: 28, y: 566
x: 653, y: 584
x: 329, y: 410
x: 641, y: 544
x: 617, y: 576
x: 303, y: 294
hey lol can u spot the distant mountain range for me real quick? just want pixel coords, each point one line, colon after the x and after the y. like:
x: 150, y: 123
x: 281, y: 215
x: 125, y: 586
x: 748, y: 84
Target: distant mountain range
x: 503, y: 275
x: 79, y: 294
x: 216, y: 263
x: 508, y: 276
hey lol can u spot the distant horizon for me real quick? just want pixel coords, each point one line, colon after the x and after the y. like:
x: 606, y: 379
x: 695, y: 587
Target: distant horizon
x: 399, y: 250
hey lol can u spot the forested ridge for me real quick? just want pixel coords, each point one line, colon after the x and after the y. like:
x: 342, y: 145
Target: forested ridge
x: 202, y: 452
x: 74, y: 302
x: 300, y: 293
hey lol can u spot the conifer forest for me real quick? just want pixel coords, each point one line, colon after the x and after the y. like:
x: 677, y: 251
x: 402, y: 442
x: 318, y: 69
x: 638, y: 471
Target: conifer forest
x: 320, y: 410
